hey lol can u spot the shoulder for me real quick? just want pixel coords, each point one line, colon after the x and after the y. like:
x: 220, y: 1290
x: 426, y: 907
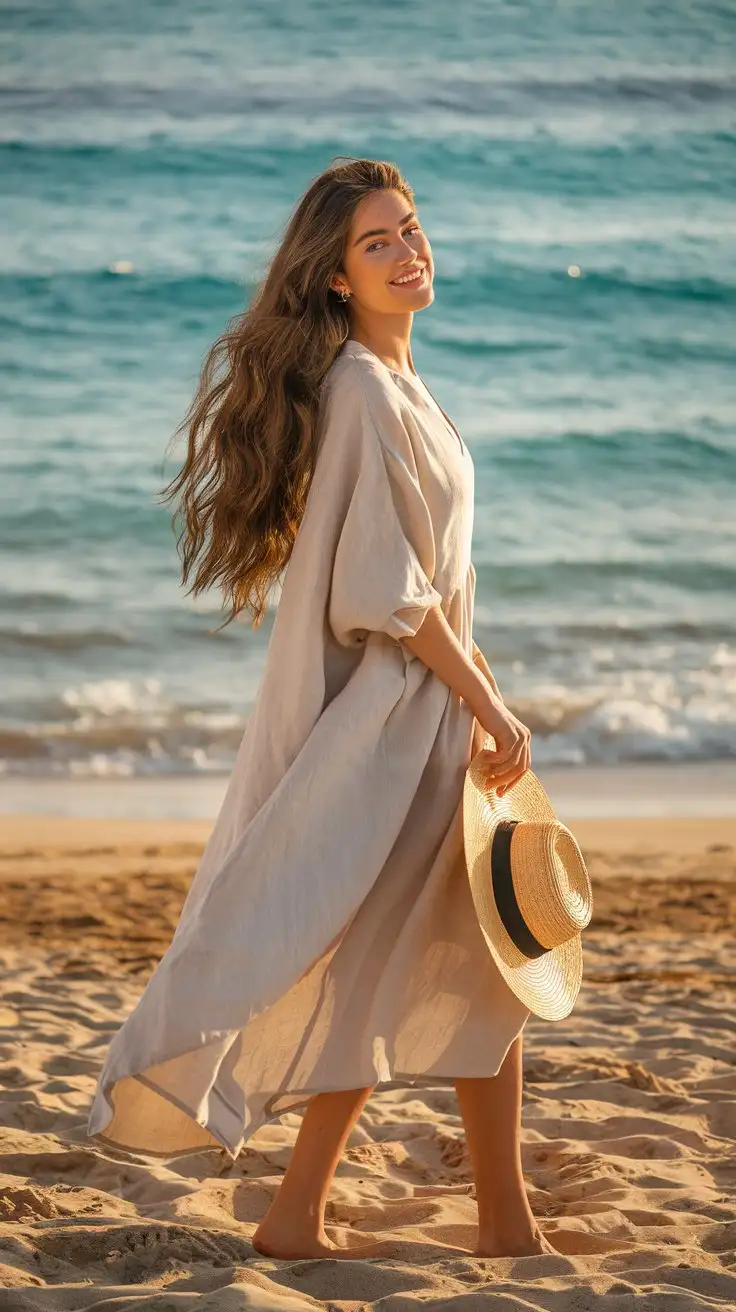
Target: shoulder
x: 361, y: 385
x: 360, y: 373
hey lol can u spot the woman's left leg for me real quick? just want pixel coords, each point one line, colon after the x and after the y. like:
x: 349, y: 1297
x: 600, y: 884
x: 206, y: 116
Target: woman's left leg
x: 491, y: 1112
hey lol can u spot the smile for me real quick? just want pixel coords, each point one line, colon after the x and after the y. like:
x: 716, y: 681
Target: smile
x: 409, y: 279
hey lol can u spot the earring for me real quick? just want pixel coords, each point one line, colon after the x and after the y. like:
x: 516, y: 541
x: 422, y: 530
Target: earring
x: 344, y: 294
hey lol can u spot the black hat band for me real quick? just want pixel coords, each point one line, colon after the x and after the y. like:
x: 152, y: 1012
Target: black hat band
x: 503, y: 890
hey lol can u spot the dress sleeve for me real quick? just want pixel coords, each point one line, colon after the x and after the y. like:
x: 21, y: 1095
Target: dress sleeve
x: 384, y: 558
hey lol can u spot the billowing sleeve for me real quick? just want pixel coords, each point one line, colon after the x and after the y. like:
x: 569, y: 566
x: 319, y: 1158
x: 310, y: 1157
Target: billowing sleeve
x: 384, y: 559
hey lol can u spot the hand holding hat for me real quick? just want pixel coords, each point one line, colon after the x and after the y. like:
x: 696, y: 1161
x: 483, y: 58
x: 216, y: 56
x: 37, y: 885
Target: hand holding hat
x: 510, y: 755
x: 530, y: 887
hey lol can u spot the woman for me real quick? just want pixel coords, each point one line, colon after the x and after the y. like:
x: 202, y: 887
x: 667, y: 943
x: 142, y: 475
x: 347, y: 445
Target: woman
x: 328, y: 942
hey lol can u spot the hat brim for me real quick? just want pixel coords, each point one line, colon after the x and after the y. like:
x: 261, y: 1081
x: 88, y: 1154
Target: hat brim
x: 547, y: 985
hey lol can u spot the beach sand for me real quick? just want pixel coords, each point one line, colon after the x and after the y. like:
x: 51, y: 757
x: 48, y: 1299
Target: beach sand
x: 629, y: 1122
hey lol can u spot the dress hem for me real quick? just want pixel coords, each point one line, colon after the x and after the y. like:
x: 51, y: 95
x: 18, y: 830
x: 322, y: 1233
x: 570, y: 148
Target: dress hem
x: 399, y: 1081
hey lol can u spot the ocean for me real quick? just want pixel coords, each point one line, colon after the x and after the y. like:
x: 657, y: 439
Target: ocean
x: 574, y: 169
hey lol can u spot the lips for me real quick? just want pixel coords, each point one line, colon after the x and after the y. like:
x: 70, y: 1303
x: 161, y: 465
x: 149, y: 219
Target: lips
x: 419, y: 273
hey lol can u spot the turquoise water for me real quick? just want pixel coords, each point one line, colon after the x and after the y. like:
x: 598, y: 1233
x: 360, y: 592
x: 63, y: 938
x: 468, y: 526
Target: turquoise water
x: 574, y: 168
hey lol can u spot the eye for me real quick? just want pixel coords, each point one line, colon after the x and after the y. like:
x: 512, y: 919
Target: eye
x: 415, y: 227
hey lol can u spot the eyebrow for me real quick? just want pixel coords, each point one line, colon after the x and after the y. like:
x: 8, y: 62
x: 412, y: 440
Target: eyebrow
x: 382, y: 232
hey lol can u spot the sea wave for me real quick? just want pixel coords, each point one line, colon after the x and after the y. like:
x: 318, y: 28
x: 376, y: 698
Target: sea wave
x: 575, y: 181
x: 199, y: 286
x: 119, y: 727
x: 68, y: 641
x: 476, y: 87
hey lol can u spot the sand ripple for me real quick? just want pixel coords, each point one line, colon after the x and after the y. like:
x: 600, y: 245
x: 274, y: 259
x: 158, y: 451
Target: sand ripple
x: 629, y: 1117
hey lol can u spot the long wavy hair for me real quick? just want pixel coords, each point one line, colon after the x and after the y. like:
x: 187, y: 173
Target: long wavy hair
x: 252, y: 426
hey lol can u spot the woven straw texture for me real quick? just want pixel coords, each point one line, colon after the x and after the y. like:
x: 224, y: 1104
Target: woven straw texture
x: 549, y: 985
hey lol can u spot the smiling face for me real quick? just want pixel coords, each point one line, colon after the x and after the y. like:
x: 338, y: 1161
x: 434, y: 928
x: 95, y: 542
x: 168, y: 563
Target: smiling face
x: 386, y: 244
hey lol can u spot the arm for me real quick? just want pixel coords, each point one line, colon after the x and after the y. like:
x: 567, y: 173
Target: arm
x: 438, y: 646
x: 480, y: 660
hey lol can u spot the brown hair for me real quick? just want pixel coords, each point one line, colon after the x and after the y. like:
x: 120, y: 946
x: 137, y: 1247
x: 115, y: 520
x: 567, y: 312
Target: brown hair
x: 252, y: 425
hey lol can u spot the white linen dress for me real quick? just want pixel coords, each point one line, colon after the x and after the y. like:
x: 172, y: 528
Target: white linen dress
x: 328, y: 940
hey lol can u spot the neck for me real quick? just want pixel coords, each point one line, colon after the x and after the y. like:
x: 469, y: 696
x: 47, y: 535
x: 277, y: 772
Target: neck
x: 388, y: 338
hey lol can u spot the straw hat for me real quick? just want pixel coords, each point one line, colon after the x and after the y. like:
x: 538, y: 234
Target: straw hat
x: 530, y: 888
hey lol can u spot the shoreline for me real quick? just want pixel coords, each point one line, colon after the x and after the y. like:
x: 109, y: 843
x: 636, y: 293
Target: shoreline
x: 95, y: 842
x: 697, y: 790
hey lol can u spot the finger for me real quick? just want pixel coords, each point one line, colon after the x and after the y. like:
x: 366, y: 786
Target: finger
x: 504, y: 751
x: 509, y: 782
x: 510, y: 760
x: 504, y: 776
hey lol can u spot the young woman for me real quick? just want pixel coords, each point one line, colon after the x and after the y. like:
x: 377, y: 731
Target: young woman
x: 328, y: 943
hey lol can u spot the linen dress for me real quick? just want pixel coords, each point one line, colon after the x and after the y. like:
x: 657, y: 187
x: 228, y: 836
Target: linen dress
x: 328, y: 939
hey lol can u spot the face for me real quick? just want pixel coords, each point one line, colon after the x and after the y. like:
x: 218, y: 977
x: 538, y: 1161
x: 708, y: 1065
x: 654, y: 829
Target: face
x: 385, y: 243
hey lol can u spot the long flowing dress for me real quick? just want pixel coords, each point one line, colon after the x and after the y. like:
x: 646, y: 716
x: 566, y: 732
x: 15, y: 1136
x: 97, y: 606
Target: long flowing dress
x: 328, y: 939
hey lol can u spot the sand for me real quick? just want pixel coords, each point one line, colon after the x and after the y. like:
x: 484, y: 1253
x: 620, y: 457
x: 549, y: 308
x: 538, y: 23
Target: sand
x: 629, y: 1105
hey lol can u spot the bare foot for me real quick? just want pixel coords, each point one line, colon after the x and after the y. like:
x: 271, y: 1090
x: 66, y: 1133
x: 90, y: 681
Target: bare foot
x: 272, y: 1244
x: 525, y: 1245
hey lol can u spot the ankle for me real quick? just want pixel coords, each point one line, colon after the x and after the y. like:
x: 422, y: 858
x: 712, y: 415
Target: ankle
x: 507, y: 1218
x: 307, y: 1216
x: 507, y: 1231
